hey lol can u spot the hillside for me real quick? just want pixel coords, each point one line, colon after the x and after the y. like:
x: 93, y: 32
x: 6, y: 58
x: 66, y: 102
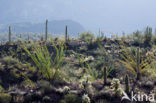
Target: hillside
x: 55, y: 27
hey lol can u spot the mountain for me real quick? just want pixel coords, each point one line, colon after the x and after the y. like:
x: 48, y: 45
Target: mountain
x: 54, y: 27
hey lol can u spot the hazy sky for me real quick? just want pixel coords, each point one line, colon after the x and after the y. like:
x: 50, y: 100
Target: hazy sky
x: 109, y: 15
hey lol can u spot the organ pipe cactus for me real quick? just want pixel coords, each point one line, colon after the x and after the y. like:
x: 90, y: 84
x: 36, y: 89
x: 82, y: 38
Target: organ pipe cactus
x: 138, y: 63
x: 9, y: 34
x: 127, y: 85
x: 66, y: 34
x: 46, y: 30
x: 105, y: 76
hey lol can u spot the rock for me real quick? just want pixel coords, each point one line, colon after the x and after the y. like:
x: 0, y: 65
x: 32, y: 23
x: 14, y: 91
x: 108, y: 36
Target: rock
x: 98, y: 84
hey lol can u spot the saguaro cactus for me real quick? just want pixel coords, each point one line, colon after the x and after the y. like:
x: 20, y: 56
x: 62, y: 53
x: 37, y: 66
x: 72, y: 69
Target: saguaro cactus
x: 20, y: 35
x: 138, y: 63
x: 28, y: 37
x: 127, y: 87
x: 42, y: 38
x: 66, y: 34
x: 46, y: 30
x: 105, y: 76
x: 9, y: 34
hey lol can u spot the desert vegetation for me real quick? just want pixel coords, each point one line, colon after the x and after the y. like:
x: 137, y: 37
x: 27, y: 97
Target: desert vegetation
x: 86, y: 69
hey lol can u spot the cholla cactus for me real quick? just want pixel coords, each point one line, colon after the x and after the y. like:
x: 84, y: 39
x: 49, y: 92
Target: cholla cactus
x: 85, y: 81
x: 66, y: 89
x: 115, y: 83
x: 119, y: 92
x: 85, y: 99
x: 116, y: 86
x: 83, y: 84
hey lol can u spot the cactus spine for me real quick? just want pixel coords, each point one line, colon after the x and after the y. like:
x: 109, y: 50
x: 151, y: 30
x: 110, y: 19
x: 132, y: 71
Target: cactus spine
x: 127, y: 87
x: 46, y: 30
x: 66, y: 34
x: 138, y: 63
x: 105, y: 76
x: 9, y: 34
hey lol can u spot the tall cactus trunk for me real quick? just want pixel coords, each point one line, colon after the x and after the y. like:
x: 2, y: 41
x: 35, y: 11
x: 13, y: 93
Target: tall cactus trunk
x: 138, y: 64
x: 127, y: 85
x: 46, y: 30
x: 42, y: 38
x: 9, y: 34
x: 20, y: 35
x: 28, y: 37
x: 66, y: 34
x: 105, y: 76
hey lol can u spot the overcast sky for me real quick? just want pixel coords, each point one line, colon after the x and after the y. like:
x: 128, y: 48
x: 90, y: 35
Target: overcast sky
x: 109, y: 15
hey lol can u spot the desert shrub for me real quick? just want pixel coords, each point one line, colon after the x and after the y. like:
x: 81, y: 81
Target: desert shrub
x: 27, y: 83
x: 86, y: 99
x: 5, y: 98
x: 104, y: 59
x: 47, y: 64
x: 138, y: 38
x: 86, y: 36
x: 20, y: 41
x: 71, y: 98
x: 12, y: 71
x: 45, y: 86
x: 154, y: 39
x: 148, y: 36
x: 1, y: 89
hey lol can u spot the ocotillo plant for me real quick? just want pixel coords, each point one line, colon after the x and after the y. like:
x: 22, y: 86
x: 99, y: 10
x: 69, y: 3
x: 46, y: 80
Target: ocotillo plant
x: 46, y: 30
x: 105, y: 76
x: 127, y: 87
x: 138, y: 63
x: 66, y: 34
x: 9, y: 34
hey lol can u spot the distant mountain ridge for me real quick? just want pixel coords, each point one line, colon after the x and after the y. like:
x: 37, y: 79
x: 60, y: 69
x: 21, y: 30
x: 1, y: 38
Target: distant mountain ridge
x: 54, y: 27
